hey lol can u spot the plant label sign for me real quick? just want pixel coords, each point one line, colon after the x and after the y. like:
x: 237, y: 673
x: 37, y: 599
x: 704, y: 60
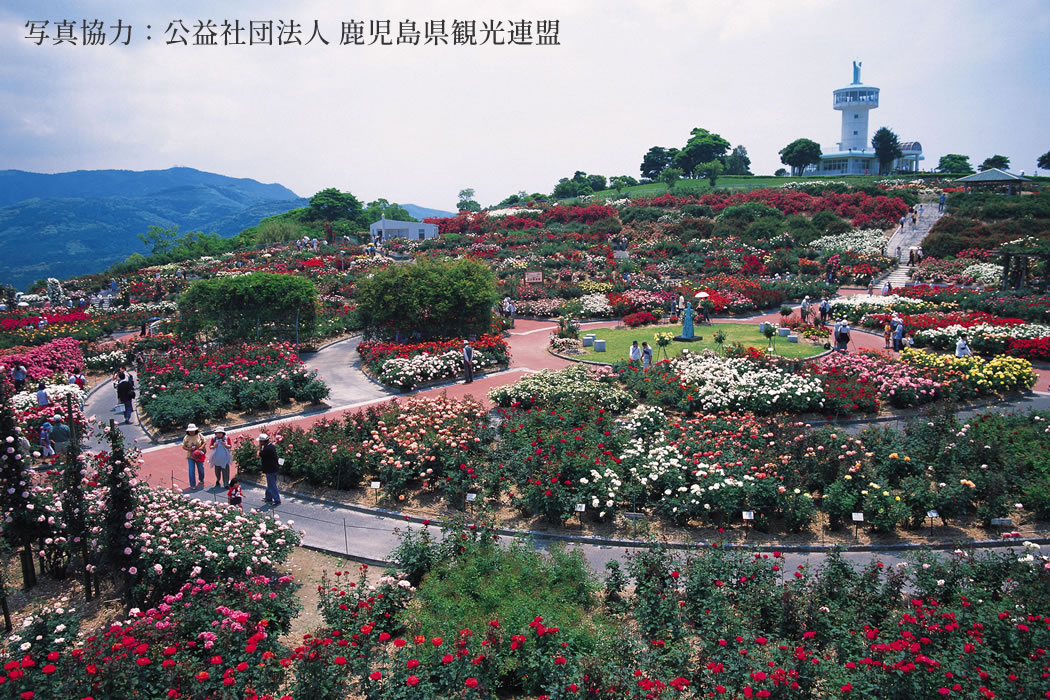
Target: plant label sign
x: 634, y: 516
x: 858, y: 517
x: 534, y: 278
x: 471, y: 497
x: 280, y: 461
x: 932, y: 514
x: 580, y: 507
x: 375, y: 485
x: 748, y: 514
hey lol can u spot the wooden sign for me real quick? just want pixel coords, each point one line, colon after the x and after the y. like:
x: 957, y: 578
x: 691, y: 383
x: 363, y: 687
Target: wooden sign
x: 533, y: 277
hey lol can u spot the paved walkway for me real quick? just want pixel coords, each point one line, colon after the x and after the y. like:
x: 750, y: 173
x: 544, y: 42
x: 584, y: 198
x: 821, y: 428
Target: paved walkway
x: 908, y: 237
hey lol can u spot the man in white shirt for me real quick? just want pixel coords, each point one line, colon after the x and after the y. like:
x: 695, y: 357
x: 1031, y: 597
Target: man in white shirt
x: 636, y: 352
x: 962, y: 348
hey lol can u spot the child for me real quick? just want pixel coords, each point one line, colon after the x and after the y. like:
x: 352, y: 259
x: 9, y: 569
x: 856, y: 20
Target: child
x: 45, y: 439
x: 235, y: 496
x: 886, y: 336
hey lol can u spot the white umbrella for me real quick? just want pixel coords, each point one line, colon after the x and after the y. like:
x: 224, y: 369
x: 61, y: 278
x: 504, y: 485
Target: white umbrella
x: 702, y: 295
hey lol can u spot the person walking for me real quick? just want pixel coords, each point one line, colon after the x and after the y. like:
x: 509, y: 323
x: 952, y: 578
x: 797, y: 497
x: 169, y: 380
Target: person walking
x: 844, y: 336
x: 42, y: 399
x: 887, y: 330
x: 898, y: 333
x: 60, y: 436
x: 825, y: 310
x: 268, y: 458
x: 962, y: 348
x: 193, y: 444
x: 468, y: 362
x: 803, y: 310
x: 45, y: 439
x: 899, y: 253
x: 125, y: 394
x: 221, y: 457
x: 636, y: 352
x: 647, y: 356
x: 871, y: 286
x: 18, y: 376
x: 940, y: 203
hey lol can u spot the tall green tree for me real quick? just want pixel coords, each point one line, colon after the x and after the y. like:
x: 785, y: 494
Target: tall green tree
x: 1044, y: 161
x: 332, y: 205
x: 655, y: 160
x: 160, y: 239
x: 430, y: 300
x: 466, y: 200
x: 379, y: 208
x: 955, y: 163
x: 702, y: 146
x: 259, y: 304
x: 709, y: 170
x: 670, y: 177
x: 737, y: 163
x: 887, y: 148
x: 996, y: 161
x: 799, y: 154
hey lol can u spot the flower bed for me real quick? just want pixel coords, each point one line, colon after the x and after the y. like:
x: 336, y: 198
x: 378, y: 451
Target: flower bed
x: 406, y: 365
x: 867, y: 242
x: 901, y: 385
x: 196, y: 385
x: 974, y: 376
x: 983, y: 338
x: 57, y: 358
x: 432, y: 441
x: 19, y: 329
x: 641, y: 318
x: 577, y: 385
x: 1030, y: 348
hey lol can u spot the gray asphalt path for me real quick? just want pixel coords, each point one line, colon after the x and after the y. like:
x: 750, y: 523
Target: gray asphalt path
x: 339, y: 366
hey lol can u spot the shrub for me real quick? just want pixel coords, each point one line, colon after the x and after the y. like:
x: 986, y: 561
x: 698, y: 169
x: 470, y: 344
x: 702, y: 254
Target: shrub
x: 640, y: 318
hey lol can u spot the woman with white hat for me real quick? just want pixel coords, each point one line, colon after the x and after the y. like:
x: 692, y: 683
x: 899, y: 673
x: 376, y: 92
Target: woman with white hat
x: 221, y: 457
x: 193, y: 443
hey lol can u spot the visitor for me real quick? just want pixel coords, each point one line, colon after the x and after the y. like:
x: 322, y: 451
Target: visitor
x: 899, y: 253
x: 889, y: 289
x: 45, y: 439
x: 60, y: 436
x: 193, y: 444
x: 940, y: 203
x: 962, y: 348
x: 914, y: 219
x: 221, y: 456
x: 18, y: 376
x: 871, y: 287
x: 513, y: 311
x: 911, y: 258
x: 505, y: 309
x: 270, y: 463
x: 902, y: 221
x: 844, y: 336
x: 235, y: 496
x: 825, y: 310
x: 468, y: 362
x: 909, y: 340
x: 636, y: 352
x: 42, y: 399
x: 125, y: 394
x: 898, y: 333
x: 647, y: 355
x: 80, y: 380
x: 705, y: 309
x: 803, y: 310
x: 681, y: 304
x: 886, y: 331
x: 24, y: 447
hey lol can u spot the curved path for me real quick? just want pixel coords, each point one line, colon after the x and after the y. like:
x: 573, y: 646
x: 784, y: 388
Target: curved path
x: 371, y: 535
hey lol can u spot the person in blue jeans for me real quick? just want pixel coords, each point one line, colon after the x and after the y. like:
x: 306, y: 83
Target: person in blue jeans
x: 268, y: 457
x: 193, y: 443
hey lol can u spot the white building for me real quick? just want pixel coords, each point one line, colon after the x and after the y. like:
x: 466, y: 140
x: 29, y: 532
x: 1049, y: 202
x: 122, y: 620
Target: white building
x: 411, y: 230
x: 853, y: 154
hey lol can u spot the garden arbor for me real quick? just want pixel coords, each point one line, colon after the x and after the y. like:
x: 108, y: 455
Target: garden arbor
x: 1018, y: 272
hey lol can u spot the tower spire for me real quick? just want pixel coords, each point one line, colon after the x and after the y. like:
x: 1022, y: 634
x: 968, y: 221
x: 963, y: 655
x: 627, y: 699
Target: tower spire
x: 856, y: 73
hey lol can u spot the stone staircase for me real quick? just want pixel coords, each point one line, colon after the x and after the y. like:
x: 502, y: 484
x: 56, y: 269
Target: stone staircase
x: 897, y: 276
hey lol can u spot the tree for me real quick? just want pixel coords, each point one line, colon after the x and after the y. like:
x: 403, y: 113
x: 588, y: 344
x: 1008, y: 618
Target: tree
x: 247, y: 306
x: 702, y: 146
x: 597, y: 182
x: 799, y: 154
x: 654, y: 162
x: 670, y: 176
x: 160, y: 239
x: 738, y: 163
x: 780, y: 172
x: 619, y: 183
x: 466, y: 200
x: 379, y: 208
x: 430, y: 300
x: 331, y: 205
x: 565, y: 189
x: 887, y: 148
x: 1044, y: 161
x: 710, y: 170
x: 996, y: 161
x: 954, y: 163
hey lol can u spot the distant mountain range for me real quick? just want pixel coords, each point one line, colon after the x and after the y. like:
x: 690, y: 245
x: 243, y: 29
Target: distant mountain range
x: 76, y: 223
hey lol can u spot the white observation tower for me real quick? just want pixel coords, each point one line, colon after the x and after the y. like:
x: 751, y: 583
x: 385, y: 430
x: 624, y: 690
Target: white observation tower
x: 855, y: 101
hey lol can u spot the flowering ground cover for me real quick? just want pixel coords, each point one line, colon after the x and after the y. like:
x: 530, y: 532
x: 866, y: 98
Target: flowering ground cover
x: 618, y: 341
x: 22, y: 329
x: 55, y: 359
x: 193, y: 384
x: 405, y: 365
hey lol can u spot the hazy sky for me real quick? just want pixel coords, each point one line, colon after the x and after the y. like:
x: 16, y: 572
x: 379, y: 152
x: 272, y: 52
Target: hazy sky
x: 417, y: 123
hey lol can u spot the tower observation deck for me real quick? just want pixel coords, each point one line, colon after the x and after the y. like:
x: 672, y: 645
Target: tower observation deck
x: 855, y: 101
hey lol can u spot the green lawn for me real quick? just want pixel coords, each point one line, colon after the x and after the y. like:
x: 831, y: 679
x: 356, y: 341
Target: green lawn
x: 618, y: 342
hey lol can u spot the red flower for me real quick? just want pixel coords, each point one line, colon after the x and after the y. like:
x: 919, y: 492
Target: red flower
x: 412, y: 681
x: 375, y: 675
x: 471, y: 682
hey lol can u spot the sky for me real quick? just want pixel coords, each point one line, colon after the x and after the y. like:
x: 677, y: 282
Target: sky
x: 415, y: 124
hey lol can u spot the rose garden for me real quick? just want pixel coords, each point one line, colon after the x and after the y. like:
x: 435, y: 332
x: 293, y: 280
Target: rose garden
x: 714, y: 460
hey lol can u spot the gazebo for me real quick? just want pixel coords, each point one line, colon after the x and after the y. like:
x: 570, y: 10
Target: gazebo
x: 993, y: 177
x: 1017, y: 272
